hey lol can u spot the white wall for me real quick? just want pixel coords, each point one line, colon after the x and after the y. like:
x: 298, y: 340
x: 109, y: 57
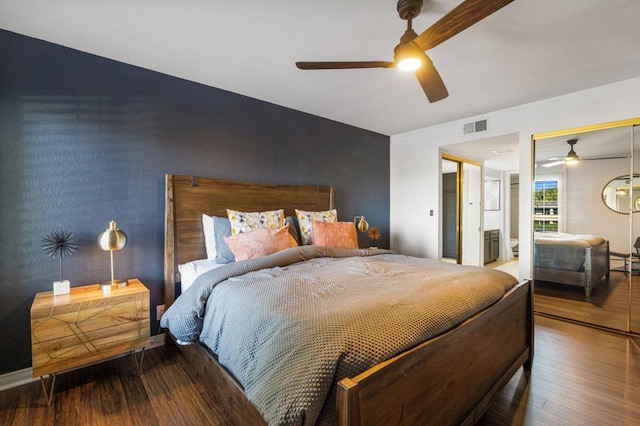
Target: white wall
x: 586, y: 212
x: 415, y: 162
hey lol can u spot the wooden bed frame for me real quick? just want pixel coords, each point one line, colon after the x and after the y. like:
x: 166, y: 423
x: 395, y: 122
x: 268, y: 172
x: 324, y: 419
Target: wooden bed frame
x: 596, y: 266
x: 451, y: 379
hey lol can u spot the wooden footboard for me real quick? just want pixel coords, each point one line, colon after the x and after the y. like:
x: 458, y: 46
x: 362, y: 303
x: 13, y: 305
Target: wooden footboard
x: 596, y: 266
x: 448, y: 380
x: 598, y: 258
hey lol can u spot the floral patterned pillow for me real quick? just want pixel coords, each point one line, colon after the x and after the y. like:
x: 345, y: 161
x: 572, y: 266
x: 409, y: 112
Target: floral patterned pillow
x: 306, y: 218
x: 249, y: 221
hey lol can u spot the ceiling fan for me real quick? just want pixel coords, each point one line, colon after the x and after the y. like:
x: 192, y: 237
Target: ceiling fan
x: 410, y: 54
x: 572, y: 157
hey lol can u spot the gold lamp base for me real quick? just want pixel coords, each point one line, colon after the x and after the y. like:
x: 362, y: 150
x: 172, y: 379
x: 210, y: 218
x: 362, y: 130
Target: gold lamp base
x: 107, y: 285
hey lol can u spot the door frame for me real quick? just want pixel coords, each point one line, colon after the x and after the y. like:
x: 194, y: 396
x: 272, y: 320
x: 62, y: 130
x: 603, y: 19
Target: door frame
x: 460, y: 161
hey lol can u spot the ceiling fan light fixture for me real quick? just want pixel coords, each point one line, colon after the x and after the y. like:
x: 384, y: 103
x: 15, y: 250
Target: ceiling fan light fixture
x: 408, y: 56
x: 409, y: 64
x: 571, y: 156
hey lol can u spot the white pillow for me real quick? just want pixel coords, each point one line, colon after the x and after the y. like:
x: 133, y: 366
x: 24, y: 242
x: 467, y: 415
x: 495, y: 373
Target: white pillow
x: 209, y: 236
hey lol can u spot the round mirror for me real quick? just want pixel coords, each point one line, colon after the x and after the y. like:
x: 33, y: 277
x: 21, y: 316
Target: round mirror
x: 622, y: 193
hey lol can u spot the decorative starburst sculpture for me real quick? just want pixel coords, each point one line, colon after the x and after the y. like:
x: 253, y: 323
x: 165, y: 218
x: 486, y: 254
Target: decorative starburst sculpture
x: 60, y: 244
x: 374, y: 234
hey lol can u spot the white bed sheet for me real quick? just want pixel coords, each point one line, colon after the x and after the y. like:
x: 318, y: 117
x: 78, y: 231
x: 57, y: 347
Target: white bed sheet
x: 191, y: 270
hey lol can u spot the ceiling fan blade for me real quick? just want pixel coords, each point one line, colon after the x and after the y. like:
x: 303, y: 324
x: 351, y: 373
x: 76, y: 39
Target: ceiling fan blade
x: 462, y: 17
x: 554, y: 163
x: 431, y: 81
x: 605, y: 158
x: 343, y: 65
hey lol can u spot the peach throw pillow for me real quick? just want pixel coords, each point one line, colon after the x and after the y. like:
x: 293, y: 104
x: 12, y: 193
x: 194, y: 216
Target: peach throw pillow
x: 334, y: 234
x: 261, y: 242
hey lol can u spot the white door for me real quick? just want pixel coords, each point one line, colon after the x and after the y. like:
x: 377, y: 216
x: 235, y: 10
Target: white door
x: 472, y: 240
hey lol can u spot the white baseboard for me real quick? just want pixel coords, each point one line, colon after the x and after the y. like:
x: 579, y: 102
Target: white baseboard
x: 16, y: 378
x: 24, y: 376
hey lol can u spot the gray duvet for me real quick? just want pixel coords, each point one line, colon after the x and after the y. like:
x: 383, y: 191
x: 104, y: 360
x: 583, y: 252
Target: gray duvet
x: 290, y: 325
x: 556, y: 250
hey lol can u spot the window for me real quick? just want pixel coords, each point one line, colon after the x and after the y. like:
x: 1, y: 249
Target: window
x: 546, y: 206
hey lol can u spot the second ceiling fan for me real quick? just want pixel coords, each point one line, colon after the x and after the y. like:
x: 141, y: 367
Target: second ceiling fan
x: 572, y: 157
x: 410, y: 53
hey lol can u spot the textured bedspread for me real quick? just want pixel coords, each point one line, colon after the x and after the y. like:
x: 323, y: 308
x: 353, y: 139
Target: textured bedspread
x: 563, y: 251
x: 290, y: 325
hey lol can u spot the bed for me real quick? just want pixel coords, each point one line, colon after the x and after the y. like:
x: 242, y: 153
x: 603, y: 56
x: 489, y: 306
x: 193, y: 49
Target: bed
x: 573, y: 259
x: 448, y: 379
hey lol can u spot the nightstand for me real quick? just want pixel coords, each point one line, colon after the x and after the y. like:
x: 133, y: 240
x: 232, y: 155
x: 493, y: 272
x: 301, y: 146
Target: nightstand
x: 86, y: 326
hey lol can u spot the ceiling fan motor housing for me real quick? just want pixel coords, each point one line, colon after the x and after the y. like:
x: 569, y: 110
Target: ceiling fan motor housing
x: 409, y: 9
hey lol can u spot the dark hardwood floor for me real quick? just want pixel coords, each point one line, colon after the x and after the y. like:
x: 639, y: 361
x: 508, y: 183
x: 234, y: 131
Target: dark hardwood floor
x: 580, y: 376
x: 608, y: 305
x: 110, y: 393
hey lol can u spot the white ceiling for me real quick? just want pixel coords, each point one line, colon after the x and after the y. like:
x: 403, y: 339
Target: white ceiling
x: 499, y: 152
x: 530, y: 50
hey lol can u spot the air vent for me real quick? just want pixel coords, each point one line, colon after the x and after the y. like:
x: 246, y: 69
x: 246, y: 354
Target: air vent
x: 502, y: 151
x: 474, y: 127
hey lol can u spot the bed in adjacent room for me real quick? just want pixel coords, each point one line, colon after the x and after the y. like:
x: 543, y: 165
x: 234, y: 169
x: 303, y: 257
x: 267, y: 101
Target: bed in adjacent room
x: 314, y: 334
x: 573, y: 259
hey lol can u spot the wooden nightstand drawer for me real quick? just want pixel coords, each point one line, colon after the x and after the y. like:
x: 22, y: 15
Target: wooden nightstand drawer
x: 87, y: 325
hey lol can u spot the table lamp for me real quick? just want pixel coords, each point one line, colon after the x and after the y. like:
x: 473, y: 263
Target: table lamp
x: 110, y: 240
x: 361, y: 224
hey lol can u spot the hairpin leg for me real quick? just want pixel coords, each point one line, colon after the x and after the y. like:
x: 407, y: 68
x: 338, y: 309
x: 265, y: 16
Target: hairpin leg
x: 137, y: 364
x: 48, y: 393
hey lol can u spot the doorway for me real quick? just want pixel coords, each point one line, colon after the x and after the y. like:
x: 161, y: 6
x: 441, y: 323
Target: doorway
x: 462, y: 190
x: 450, y: 210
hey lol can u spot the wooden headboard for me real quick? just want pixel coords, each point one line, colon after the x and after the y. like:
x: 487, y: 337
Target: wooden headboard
x: 188, y: 197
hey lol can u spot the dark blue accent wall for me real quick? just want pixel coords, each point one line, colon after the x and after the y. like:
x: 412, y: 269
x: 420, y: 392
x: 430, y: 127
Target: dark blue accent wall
x: 85, y: 140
